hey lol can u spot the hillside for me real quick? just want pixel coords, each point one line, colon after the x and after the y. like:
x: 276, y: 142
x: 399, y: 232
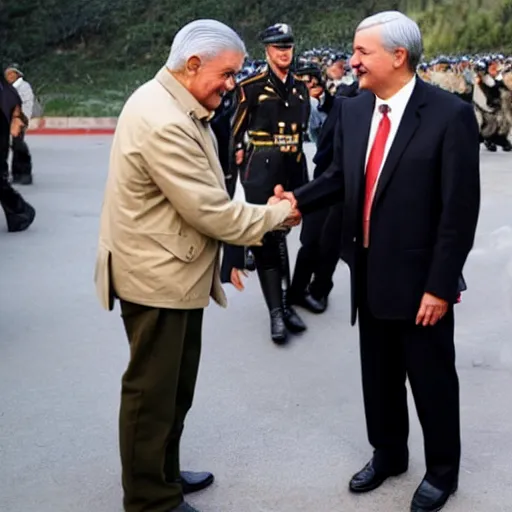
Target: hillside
x: 86, y: 56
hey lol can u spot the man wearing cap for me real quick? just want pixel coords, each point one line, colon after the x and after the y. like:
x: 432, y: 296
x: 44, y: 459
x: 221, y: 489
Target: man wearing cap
x: 273, y: 112
x: 21, y: 159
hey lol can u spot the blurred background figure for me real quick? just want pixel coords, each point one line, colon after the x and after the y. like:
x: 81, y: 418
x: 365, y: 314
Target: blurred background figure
x: 18, y: 213
x: 21, y: 159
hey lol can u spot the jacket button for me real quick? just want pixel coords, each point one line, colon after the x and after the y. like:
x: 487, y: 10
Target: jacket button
x: 355, y: 239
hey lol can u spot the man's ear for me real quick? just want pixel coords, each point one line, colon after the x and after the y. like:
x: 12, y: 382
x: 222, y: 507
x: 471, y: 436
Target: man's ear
x: 193, y: 64
x: 400, y: 57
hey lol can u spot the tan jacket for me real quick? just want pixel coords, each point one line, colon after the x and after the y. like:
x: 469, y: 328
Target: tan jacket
x: 166, y: 206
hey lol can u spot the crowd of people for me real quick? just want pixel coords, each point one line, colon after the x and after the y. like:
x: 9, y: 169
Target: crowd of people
x: 485, y: 80
x: 395, y: 193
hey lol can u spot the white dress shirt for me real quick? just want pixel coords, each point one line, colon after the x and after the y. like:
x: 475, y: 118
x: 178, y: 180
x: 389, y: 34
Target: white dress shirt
x: 396, y: 104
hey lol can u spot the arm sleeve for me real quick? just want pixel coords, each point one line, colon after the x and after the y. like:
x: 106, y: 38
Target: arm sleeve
x: 460, y: 191
x: 328, y: 188
x: 179, y: 167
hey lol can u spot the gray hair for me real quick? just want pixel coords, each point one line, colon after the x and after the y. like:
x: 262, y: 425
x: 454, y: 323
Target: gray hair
x: 398, y: 31
x: 204, y: 39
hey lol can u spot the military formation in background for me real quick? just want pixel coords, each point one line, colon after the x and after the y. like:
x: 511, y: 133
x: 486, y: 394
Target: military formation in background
x: 484, y: 80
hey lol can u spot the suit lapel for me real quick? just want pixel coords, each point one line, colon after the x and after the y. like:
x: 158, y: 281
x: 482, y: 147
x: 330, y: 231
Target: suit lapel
x: 408, y: 125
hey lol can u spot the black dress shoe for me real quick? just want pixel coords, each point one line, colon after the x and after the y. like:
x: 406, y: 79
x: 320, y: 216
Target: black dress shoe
x: 307, y: 301
x: 369, y: 478
x: 20, y: 221
x: 293, y: 321
x: 184, y: 507
x: 193, y: 482
x: 429, y: 498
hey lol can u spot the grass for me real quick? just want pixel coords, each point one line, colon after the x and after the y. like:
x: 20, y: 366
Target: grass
x: 74, y: 84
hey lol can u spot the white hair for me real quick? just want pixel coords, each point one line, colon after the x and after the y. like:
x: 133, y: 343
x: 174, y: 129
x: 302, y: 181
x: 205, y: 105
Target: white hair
x: 398, y: 31
x: 204, y: 39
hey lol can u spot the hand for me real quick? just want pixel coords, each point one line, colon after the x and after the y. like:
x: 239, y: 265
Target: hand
x: 281, y: 194
x: 432, y: 309
x: 236, y: 278
x: 239, y: 157
x: 293, y: 219
x: 17, y: 125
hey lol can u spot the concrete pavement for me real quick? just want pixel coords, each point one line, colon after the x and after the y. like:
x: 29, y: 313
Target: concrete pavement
x: 282, y: 428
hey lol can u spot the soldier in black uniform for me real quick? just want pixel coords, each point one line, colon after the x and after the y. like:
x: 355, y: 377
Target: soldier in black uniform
x: 268, y: 129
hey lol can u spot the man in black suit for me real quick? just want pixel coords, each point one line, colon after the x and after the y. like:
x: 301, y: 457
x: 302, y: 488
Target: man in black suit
x: 406, y: 165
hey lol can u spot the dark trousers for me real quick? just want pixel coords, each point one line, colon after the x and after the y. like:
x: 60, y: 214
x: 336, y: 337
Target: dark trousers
x: 157, y: 392
x: 18, y: 213
x: 21, y: 158
x: 390, y: 352
x: 319, y: 253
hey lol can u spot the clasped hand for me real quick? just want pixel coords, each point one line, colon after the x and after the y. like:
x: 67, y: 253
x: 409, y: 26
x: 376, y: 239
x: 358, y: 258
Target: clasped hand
x: 279, y: 195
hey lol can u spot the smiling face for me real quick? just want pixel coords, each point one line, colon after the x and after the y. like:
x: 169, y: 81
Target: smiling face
x: 378, y: 70
x: 208, y: 81
x: 280, y: 57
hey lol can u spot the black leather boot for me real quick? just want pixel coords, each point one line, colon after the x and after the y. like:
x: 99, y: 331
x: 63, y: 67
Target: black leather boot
x: 292, y: 320
x: 271, y: 286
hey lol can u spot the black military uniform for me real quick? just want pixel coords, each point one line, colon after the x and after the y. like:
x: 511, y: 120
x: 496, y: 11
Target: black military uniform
x: 269, y: 126
x: 18, y: 213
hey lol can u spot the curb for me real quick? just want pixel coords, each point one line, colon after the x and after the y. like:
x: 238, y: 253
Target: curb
x: 72, y: 126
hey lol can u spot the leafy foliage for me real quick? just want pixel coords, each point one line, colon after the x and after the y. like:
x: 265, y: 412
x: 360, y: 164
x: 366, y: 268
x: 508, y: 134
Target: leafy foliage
x: 82, y: 48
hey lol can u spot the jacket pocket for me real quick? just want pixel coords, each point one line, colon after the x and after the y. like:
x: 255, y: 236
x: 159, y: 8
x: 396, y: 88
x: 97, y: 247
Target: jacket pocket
x: 185, y: 248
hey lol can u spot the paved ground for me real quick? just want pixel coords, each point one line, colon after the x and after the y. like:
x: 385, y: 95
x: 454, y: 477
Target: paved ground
x: 282, y: 428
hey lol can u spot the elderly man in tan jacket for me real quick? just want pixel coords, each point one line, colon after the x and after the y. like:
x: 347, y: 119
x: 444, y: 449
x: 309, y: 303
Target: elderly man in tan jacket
x: 165, y: 211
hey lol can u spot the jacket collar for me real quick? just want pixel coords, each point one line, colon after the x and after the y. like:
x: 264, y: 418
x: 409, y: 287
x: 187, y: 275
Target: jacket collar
x: 185, y: 99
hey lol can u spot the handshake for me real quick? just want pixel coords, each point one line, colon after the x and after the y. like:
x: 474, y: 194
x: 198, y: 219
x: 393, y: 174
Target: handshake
x: 280, y: 195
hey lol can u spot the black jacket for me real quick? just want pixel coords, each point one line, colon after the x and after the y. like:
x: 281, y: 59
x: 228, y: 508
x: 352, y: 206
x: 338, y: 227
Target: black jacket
x: 9, y: 100
x: 426, y: 206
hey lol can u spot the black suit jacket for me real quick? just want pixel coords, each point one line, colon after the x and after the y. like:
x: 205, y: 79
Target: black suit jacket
x: 425, y: 210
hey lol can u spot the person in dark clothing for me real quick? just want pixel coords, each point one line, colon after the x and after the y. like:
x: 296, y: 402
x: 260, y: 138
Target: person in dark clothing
x: 272, y: 114
x: 18, y: 213
x: 318, y: 256
x: 405, y: 238
x: 236, y: 258
x: 221, y: 126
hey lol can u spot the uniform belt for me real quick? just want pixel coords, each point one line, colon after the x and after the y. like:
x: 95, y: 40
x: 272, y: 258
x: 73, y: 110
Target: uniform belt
x: 282, y: 141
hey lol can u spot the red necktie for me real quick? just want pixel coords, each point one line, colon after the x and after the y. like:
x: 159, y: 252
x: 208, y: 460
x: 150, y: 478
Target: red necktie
x: 373, y: 167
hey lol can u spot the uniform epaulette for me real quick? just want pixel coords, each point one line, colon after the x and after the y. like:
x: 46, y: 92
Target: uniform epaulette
x: 253, y: 78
